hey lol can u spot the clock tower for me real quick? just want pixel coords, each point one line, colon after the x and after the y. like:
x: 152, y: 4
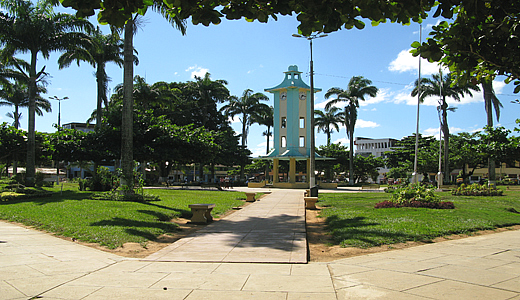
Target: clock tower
x: 292, y: 122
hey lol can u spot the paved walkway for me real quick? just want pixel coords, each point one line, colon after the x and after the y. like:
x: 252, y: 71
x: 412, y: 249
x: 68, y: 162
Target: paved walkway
x: 271, y: 230
x: 35, y: 264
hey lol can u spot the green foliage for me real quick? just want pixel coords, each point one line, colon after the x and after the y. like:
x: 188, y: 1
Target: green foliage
x: 367, y: 167
x: 314, y: 16
x: 476, y: 189
x: 103, y: 180
x: 476, y: 45
x: 413, y: 192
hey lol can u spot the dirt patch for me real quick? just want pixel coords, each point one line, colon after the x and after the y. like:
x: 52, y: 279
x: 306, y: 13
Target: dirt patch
x: 322, y: 250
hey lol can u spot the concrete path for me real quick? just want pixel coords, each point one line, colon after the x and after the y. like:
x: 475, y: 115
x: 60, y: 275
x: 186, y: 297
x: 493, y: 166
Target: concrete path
x: 38, y: 265
x: 271, y: 230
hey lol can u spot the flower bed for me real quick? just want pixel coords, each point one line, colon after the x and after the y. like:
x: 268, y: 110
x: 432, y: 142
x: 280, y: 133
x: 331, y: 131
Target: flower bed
x: 414, y: 196
x: 476, y: 190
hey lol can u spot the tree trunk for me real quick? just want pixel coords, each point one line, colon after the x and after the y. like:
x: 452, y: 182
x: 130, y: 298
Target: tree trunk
x: 487, y: 89
x: 100, y: 91
x: 351, y: 158
x: 446, y: 132
x: 15, y: 155
x: 127, y: 157
x: 30, y: 168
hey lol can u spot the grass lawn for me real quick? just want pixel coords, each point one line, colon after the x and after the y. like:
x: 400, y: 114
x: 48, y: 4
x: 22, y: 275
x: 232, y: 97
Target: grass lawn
x: 353, y: 221
x: 112, y: 223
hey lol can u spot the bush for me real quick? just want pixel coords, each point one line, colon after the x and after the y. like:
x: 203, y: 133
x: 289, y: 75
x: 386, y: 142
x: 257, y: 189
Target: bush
x: 414, y: 192
x: 476, y: 190
x: 414, y: 196
x: 102, y: 181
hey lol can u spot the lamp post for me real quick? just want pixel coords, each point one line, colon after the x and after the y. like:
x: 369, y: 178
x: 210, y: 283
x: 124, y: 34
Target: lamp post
x: 312, y: 175
x: 59, y: 127
x: 59, y: 108
x: 415, y: 176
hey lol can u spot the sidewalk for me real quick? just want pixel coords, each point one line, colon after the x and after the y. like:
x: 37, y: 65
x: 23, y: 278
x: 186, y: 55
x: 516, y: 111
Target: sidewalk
x: 35, y: 264
x: 271, y: 230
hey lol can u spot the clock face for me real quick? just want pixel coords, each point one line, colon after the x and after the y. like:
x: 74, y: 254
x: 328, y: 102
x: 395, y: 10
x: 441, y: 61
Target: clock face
x: 283, y: 95
x: 303, y: 95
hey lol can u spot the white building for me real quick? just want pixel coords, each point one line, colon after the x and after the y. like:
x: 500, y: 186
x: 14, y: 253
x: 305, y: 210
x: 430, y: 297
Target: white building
x: 376, y: 147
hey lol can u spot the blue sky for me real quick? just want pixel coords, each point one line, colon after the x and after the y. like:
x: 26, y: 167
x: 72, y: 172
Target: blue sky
x: 255, y: 55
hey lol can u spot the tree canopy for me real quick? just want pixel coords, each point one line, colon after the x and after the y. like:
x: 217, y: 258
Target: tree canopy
x: 314, y: 16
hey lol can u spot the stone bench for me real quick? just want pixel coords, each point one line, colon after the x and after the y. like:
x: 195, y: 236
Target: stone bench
x: 370, y: 187
x: 310, y: 202
x: 250, y: 197
x: 201, y: 213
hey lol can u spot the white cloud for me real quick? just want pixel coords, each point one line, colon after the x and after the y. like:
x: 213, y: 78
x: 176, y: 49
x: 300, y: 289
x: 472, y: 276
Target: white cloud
x: 431, y: 132
x: 321, y: 105
x: 366, y: 124
x: 197, y: 71
x: 234, y: 119
x: 382, y: 96
x: 434, y: 131
x: 405, y: 62
x: 343, y: 141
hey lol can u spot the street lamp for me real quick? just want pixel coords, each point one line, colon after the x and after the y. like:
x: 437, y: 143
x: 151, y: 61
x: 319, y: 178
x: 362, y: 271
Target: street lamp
x: 59, y: 127
x: 415, y: 175
x: 59, y: 107
x: 312, y: 179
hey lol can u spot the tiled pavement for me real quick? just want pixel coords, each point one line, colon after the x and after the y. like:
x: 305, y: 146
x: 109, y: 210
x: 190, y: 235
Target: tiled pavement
x: 35, y: 264
x: 271, y: 230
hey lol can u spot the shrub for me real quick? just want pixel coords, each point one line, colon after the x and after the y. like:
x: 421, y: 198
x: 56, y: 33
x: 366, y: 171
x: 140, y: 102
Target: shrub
x: 414, y: 196
x: 103, y: 180
x: 414, y: 192
x: 476, y: 190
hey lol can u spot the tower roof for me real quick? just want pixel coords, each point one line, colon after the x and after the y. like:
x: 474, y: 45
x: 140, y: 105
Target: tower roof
x: 292, y: 79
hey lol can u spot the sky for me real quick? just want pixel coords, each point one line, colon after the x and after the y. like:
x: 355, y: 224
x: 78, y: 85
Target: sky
x: 253, y: 55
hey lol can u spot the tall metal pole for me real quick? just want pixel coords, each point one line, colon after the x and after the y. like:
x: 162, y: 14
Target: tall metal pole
x: 312, y: 178
x: 312, y: 154
x: 59, y: 128
x: 415, y: 177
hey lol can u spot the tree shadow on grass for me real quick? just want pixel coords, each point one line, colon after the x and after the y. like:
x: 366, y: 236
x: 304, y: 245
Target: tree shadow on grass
x: 359, y: 232
x: 55, y: 197
x: 133, y: 226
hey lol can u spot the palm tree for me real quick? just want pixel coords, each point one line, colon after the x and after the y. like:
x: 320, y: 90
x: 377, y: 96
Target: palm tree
x: 445, y: 87
x: 102, y: 50
x: 491, y: 101
x: 209, y: 92
x: 329, y: 120
x: 35, y: 28
x: 358, y: 87
x: 249, y: 107
x: 127, y: 155
x: 265, y: 117
x: 17, y: 95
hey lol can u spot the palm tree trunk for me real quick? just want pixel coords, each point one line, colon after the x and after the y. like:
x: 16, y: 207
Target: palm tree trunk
x: 127, y: 157
x: 446, y: 132
x: 30, y: 168
x: 351, y: 158
x: 100, y: 91
x: 16, y: 125
x: 487, y: 89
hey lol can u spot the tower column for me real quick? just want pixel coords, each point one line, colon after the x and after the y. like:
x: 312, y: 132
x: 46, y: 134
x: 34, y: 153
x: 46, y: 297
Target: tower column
x: 276, y: 163
x: 308, y: 170
x: 292, y: 170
